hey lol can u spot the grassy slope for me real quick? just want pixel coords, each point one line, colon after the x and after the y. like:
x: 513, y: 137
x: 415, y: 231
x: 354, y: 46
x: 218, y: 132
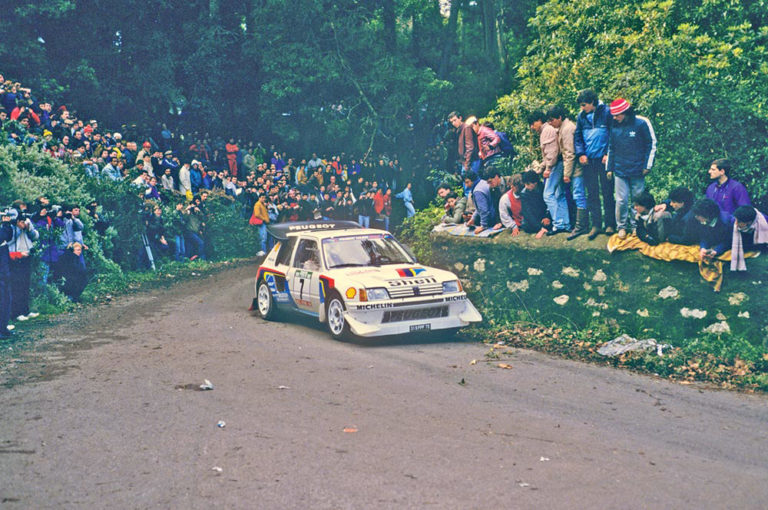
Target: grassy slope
x: 520, y: 306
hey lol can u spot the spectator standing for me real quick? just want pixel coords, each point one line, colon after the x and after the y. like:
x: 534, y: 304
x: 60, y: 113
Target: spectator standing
x: 260, y: 218
x: 631, y: 152
x: 185, y: 181
x: 6, y: 235
x: 591, y: 138
x: 727, y: 193
x: 488, y: 142
x: 407, y: 197
x: 552, y: 164
x: 466, y: 145
x: 73, y: 271
x: 20, y: 248
x: 557, y: 117
x: 232, y: 151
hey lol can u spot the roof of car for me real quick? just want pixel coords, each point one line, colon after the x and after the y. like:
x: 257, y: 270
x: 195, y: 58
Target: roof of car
x: 319, y: 229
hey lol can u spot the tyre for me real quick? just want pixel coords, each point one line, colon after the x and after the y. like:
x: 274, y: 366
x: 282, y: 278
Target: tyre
x: 265, y: 303
x: 334, y: 317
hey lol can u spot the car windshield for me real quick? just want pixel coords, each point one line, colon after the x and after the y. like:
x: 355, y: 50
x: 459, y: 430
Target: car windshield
x: 365, y: 250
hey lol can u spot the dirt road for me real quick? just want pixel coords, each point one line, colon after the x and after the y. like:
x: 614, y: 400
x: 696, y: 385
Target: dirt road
x: 101, y: 416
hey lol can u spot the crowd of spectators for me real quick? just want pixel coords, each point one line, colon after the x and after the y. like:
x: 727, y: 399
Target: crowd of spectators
x: 176, y: 173
x: 590, y: 179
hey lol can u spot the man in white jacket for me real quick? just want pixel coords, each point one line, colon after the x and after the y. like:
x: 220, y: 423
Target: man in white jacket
x: 185, y: 184
x: 20, y: 249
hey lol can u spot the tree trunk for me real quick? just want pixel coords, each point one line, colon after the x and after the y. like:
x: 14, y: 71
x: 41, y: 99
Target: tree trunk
x: 490, y: 42
x: 449, y: 41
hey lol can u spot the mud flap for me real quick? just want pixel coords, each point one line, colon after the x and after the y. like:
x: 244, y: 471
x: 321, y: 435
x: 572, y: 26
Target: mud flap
x: 254, y: 305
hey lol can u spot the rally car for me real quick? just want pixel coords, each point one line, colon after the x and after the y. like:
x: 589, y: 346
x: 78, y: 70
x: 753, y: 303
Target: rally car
x: 358, y: 281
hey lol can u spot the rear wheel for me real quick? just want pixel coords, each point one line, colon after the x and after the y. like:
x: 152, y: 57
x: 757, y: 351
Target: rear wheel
x: 265, y: 303
x: 334, y: 315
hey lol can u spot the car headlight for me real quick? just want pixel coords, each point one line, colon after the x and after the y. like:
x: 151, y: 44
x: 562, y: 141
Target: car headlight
x: 377, y: 294
x: 451, y: 286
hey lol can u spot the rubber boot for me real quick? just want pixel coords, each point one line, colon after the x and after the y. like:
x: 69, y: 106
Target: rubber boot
x: 582, y: 224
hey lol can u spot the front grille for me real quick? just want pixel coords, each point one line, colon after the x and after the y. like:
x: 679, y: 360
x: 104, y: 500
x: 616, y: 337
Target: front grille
x: 427, y: 289
x: 415, y: 314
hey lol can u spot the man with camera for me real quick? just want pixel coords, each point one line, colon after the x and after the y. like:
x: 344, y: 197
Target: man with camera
x: 6, y: 235
x: 20, y: 249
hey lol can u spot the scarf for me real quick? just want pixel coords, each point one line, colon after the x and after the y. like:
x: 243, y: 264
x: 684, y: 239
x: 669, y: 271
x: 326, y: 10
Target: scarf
x: 737, y: 248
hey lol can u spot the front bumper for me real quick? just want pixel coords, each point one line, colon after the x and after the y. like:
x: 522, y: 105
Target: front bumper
x: 397, y: 316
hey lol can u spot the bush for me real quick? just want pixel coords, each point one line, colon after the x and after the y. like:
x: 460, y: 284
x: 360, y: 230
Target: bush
x: 698, y: 71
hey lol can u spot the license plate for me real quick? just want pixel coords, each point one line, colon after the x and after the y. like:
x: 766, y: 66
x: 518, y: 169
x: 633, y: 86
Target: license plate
x: 421, y: 327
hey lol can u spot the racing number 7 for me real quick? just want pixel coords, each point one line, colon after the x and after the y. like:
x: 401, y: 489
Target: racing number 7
x: 301, y: 288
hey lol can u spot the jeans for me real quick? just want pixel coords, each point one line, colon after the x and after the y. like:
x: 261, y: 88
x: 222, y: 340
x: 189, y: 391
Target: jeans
x: 364, y: 221
x: 263, y: 237
x: 625, y: 189
x: 554, y: 197
x: 595, y: 181
x: 579, y: 193
x: 180, y: 250
x: 198, y: 245
x: 409, y: 210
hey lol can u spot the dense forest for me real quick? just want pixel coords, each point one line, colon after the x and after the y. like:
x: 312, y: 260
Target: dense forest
x: 352, y: 74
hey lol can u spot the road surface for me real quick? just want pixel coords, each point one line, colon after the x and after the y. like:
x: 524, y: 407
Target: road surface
x: 102, y: 413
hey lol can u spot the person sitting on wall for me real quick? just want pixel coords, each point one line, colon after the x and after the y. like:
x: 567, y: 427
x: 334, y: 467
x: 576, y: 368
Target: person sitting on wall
x: 536, y: 219
x: 750, y: 233
x: 712, y: 232
x: 454, y: 208
x: 651, y: 225
x: 682, y: 224
x: 510, y: 206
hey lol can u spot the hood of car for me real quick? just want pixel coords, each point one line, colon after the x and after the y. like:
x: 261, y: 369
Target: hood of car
x: 391, y: 276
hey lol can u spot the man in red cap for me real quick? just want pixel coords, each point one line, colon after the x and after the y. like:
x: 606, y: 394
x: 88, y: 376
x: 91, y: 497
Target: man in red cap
x: 631, y: 151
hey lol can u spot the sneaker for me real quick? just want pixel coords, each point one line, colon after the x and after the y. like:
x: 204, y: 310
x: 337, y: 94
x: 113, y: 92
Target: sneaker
x: 33, y: 315
x: 260, y: 253
x: 22, y: 318
x: 622, y: 233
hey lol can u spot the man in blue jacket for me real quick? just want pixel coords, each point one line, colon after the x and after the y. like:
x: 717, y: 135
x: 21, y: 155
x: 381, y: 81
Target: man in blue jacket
x: 631, y: 151
x: 486, y: 213
x: 593, y: 127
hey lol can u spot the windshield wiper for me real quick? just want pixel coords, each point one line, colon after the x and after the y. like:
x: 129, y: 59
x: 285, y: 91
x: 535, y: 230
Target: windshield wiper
x: 349, y: 264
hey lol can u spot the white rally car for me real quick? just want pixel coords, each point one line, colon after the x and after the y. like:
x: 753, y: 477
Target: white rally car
x: 357, y: 280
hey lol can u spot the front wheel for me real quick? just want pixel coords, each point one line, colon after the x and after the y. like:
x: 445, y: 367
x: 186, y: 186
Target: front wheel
x: 265, y: 303
x: 334, y: 314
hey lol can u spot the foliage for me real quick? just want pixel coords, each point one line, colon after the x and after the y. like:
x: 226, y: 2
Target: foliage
x: 699, y: 71
x: 308, y: 74
x: 114, y: 256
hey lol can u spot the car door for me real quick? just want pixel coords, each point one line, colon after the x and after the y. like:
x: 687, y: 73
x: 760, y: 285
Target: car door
x: 304, y: 275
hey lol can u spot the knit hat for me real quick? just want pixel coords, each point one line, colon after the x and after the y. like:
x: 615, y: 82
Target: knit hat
x: 619, y: 106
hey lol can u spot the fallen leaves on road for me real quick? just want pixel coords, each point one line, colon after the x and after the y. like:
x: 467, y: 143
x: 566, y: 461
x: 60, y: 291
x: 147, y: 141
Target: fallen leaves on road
x: 504, y: 366
x: 350, y: 430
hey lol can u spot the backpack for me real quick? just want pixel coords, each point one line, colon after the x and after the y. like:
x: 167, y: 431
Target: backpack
x: 507, y: 149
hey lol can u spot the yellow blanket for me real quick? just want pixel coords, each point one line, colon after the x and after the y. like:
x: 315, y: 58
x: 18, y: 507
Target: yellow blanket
x: 712, y: 271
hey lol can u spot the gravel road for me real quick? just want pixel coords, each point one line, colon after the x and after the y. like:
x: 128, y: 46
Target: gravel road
x: 103, y: 412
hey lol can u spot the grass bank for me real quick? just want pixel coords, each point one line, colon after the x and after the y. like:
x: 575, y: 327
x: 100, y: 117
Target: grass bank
x: 569, y: 298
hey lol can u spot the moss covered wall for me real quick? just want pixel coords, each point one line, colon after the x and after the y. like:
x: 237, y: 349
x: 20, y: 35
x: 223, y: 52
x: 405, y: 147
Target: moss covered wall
x: 579, y: 284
